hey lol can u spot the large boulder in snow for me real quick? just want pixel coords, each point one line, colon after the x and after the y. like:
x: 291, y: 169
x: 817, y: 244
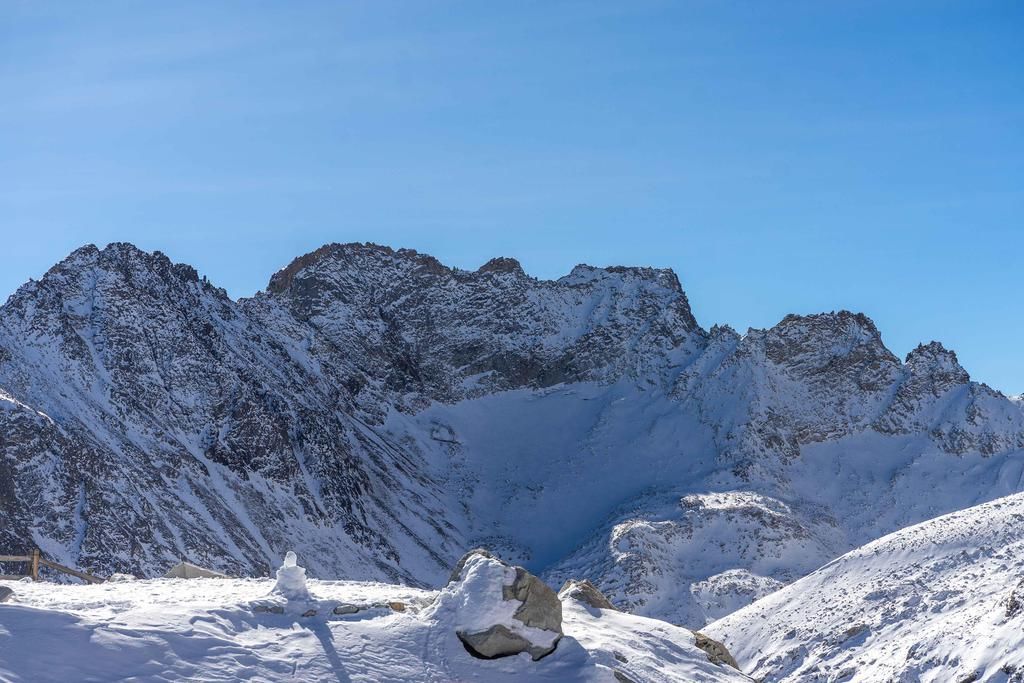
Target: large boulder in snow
x: 5, y: 593
x: 502, y: 610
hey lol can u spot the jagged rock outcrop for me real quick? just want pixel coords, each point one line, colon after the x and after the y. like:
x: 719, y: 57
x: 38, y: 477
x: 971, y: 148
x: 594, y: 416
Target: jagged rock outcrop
x: 727, y: 549
x: 585, y: 592
x: 382, y: 412
x: 1015, y: 601
x: 717, y: 652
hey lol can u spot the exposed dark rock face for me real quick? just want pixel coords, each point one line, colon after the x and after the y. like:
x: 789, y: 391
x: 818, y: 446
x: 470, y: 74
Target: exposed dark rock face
x: 716, y: 652
x: 407, y: 324
x: 540, y: 608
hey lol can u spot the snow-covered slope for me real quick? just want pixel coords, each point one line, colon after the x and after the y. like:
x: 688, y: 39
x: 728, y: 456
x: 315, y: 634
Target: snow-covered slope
x: 939, y: 601
x: 170, y: 425
x: 220, y: 630
x: 382, y: 413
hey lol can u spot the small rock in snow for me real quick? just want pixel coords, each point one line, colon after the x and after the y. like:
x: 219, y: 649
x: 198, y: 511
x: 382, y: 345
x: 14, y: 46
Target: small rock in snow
x: 346, y: 608
x: 717, y: 652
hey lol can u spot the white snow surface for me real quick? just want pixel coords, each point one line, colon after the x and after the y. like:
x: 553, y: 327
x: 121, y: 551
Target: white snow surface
x: 940, y: 601
x: 220, y: 630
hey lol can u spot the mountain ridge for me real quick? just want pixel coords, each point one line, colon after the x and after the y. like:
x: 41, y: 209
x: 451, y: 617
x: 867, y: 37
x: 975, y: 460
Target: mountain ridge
x: 387, y: 412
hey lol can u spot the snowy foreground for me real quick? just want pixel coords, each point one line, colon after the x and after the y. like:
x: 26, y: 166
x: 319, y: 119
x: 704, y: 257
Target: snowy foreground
x: 226, y: 630
x: 939, y: 601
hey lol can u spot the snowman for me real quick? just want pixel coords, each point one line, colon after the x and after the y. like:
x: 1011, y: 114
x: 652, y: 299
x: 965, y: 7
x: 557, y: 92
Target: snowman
x: 291, y: 580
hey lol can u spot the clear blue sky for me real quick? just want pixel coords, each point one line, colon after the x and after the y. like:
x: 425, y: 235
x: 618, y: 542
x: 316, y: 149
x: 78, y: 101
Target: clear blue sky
x: 780, y: 156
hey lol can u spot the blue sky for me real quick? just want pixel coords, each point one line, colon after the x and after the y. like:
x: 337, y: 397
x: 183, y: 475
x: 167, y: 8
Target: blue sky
x: 780, y: 156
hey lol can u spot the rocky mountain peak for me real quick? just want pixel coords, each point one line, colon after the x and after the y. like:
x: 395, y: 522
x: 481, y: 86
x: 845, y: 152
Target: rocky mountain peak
x: 823, y: 344
x: 119, y: 275
x: 842, y: 327
x: 586, y: 274
x: 502, y: 264
x: 934, y: 370
x: 125, y: 259
x: 723, y: 332
x: 366, y: 260
x: 413, y: 323
x: 936, y: 361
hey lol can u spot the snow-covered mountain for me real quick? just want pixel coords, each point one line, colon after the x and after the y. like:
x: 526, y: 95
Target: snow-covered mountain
x: 383, y: 412
x: 938, y: 601
x: 166, y: 422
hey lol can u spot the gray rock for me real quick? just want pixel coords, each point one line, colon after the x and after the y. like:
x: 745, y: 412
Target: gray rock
x: 346, y: 608
x: 5, y: 593
x: 499, y: 641
x: 540, y: 609
x: 268, y: 609
x: 585, y: 592
x: 717, y: 652
x: 1015, y: 603
x: 854, y: 631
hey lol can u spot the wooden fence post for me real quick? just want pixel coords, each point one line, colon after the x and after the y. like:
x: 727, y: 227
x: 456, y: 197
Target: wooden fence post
x: 35, y: 564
